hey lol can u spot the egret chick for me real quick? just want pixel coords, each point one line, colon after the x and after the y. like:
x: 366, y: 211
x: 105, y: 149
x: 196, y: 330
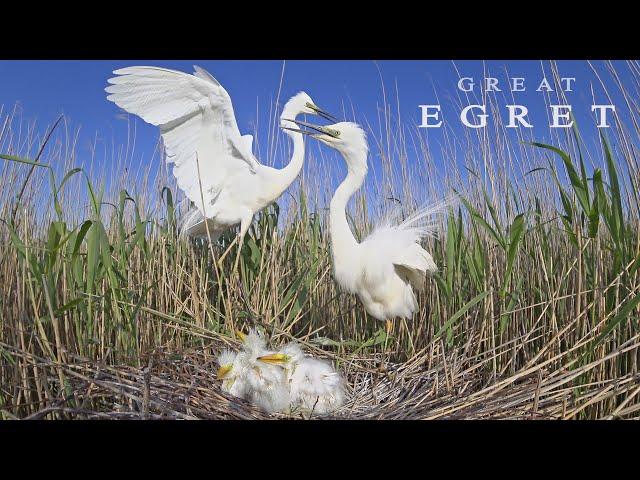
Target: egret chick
x: 313, y: 384
x: 253, y: 341
x: 267, y: 386
x: 232, y: 372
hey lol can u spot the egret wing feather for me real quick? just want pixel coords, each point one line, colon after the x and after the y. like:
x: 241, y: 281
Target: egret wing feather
x: 414, y: 263
x: 204, y: 75
x: 195, y: 225
x: 197, y: 124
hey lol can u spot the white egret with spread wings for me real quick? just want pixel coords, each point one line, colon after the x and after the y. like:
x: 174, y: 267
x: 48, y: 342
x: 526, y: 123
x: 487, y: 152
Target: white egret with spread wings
x: 213, y: 163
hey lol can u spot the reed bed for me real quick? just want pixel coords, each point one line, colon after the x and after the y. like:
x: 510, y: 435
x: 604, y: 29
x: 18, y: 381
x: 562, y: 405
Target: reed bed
x: 106, y: 313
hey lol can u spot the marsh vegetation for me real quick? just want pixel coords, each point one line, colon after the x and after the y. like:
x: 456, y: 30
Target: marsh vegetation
x: 106, y: 312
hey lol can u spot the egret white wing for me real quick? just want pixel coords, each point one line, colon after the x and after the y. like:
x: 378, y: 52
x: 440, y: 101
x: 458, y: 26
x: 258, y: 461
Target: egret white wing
x: 380, y: 249
x: 414, y: 262
x: 204, y: 75
x: 397, y: 246
x: 197, y: 124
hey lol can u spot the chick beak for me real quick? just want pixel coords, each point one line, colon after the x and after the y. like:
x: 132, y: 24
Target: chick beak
x: 322, y: 113
x: 223, y: 372
x: 241, y: 335
x: 275, y: 358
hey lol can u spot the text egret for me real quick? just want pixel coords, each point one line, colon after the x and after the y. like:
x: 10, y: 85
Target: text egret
x: 313, y: 384
x: 214, y: 164
x: 386, y: 267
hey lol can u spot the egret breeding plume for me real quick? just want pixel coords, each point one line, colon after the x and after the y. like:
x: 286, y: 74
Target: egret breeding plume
x: 213, y: 163
x: 313, y: 384
x: 384, y: 269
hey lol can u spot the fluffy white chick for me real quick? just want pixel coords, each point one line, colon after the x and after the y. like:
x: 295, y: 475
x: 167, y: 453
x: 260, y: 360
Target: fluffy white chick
x: 253, y: 341
x: 267, y: 385
x: 232, y: 372
x: 313, y: 384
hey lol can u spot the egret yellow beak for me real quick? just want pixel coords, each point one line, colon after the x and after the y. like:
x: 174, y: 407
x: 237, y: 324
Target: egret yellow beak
x: 241, y: 335
x: 223, y: 372
x: 275, y: 358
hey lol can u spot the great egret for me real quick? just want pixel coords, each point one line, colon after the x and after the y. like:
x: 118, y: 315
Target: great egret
x: 384, y: 269
x: 313, y: 384
x: 214, y: 164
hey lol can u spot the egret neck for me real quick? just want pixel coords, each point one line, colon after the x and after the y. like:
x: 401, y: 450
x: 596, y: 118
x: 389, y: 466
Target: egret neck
x: 288, y: 174
x: 342, y: 240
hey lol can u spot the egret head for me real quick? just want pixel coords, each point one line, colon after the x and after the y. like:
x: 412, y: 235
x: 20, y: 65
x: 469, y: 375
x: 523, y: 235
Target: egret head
x: 226, y: 359
x: 346, y: 137
x: 301, y: 104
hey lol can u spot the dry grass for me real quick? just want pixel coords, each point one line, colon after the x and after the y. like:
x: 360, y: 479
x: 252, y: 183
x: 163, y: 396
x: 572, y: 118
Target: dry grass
x: 182, y: 385
x: 105, y: 313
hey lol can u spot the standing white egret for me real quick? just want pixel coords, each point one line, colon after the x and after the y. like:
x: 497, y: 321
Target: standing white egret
x: 313, y: 384
x: 384, y: 269
x: 213, y: 164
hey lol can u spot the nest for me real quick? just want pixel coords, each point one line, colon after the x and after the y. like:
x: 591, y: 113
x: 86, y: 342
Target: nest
x: 183, y: 385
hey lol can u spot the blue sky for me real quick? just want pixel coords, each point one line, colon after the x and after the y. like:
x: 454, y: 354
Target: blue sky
x: 45, y: 89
